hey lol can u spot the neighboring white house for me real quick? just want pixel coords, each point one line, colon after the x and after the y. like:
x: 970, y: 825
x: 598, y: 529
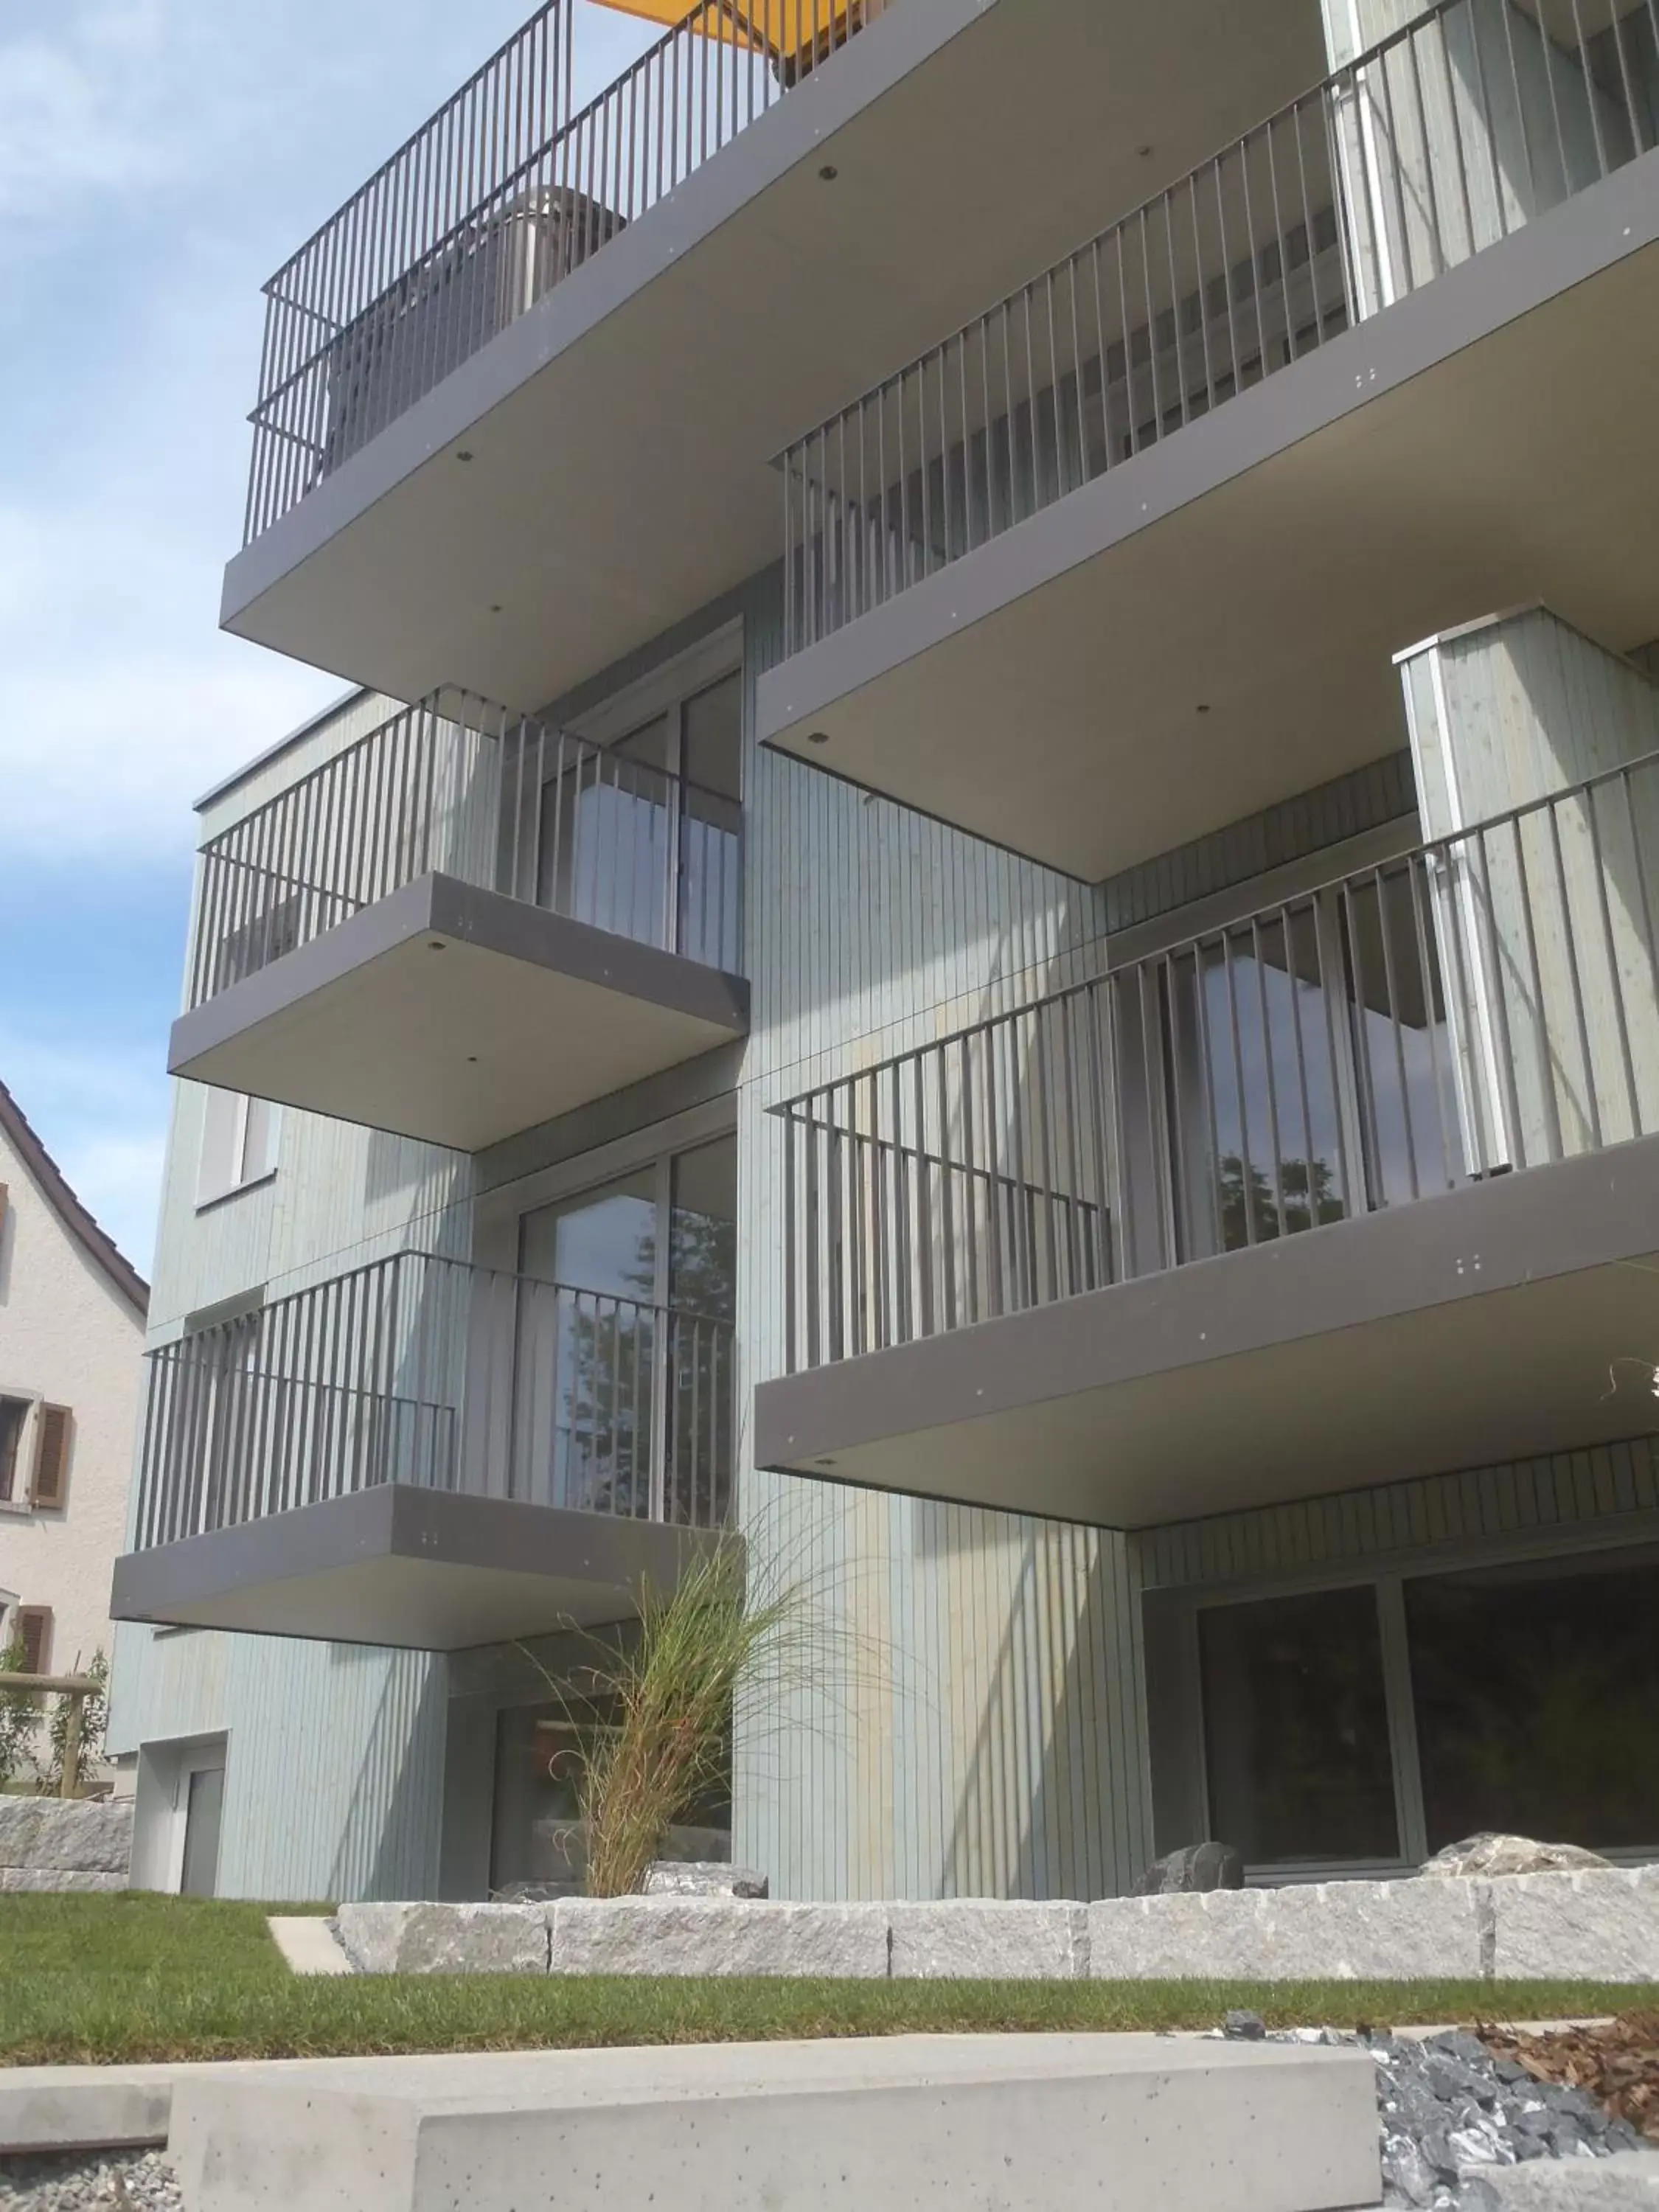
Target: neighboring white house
x: 71, y: 1336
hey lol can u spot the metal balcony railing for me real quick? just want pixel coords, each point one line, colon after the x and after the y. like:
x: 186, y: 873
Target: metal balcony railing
x: 1487, y: 1002
x: 425, y: 1370
x: 459, y: 788
x: 1447, y: 136
x: 498, y: 198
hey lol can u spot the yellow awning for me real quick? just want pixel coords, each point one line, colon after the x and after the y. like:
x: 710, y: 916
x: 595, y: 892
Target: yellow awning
x: 778, y: 27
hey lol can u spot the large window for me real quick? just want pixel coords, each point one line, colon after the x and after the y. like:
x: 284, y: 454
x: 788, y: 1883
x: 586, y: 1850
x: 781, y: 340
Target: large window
x: 1536, y: 1693
x: 1374, y: 1725
x: 1296, y: 1728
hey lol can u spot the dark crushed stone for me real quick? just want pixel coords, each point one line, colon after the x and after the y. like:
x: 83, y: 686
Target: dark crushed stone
x: 1447, y: 2107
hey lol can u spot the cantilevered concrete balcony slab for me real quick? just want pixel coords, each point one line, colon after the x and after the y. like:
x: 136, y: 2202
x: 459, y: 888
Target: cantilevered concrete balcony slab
x: 462, y: 926
x: 1364, y: 1185
x: 1095, y: 613
x: 418, y: 1569
x: 547, y: 432
x: 457, y: 1016
x: 1514, y: 1317
x: 426, y: 1454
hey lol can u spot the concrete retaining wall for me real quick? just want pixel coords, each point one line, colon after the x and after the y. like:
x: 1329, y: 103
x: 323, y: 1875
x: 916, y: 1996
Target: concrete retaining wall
x: 47, y: 1844
x: 1562, y: 1927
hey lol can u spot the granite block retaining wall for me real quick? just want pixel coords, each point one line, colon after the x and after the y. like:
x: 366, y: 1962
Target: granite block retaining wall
x: 48, y: 1844
x: 1602, y: 1926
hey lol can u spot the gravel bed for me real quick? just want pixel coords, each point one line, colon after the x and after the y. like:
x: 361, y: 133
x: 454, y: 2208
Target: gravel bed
x: 1447, y: 2107
x: 90, y: 2181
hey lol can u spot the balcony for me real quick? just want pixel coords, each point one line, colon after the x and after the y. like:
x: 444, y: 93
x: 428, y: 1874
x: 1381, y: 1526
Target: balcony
x: 426, y: 1454
x: 462, y: 925
x: 1374, y: 365
x: 1347, y: 1190
x: 543, y: 360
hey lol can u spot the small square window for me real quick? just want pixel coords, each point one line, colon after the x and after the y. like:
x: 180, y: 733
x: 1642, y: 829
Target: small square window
x: 239, y: 1144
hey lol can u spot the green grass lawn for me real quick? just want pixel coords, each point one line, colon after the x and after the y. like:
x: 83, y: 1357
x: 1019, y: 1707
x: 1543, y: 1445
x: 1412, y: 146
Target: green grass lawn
x: 138, y: 1978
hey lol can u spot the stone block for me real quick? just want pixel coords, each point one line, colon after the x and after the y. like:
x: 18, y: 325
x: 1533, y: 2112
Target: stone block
x: 1627, y: 2183
x: 704, y: 1878
x: 445, y: 1938
x: 1600, y: 1926
x: 1318, y: 1931
x: 719, y: 1935
x: 59, y: 1881
x: 973, y: 1939
x: 80, y: 1836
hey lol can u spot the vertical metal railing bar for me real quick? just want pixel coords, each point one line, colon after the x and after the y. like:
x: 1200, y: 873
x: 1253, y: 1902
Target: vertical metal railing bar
x: 1588, y: 80
x: 1385, y: 935
x: 1370, y: 1119
x: 1395, y: 165
x: 1615, y: 979
x: 1499, y: 993
x: 1649, y: 931
x: 1428, y: 970
x: 1581, y: 1022
x: 1462, y: 992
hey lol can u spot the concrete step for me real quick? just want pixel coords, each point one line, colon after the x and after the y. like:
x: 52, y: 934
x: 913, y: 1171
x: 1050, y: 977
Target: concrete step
x: 1115, y: 2123
x: 1628, y: 2183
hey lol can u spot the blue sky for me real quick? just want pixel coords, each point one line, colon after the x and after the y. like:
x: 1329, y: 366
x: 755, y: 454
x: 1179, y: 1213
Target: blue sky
x: 158, y: 160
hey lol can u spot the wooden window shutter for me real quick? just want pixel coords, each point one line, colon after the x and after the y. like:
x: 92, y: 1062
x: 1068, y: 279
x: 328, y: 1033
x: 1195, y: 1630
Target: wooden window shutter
x: 51, y: 1450
x: 34, y: 1630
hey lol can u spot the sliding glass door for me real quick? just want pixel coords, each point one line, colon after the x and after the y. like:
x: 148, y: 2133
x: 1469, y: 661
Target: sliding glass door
x: 623, y: 1388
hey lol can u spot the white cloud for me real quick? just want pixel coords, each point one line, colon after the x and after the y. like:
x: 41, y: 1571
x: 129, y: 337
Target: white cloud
x: 124, y: 702
x: 75, y: 98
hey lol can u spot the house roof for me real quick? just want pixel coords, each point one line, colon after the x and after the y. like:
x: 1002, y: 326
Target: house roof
x: 93, y: 1241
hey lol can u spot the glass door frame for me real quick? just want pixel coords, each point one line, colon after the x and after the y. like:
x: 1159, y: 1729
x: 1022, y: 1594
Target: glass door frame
x: 499, y: 1215
x: 1168, y: 1204
x: 664, y: 695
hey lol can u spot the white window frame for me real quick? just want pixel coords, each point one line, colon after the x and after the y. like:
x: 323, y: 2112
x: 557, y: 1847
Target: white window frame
x: 207, y: 1196
x: 21, y: 1503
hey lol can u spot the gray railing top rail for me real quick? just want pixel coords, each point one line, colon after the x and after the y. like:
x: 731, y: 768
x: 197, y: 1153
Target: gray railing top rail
x: 412, y: 1256
x: 517, y: 733
x: 1429, y: 848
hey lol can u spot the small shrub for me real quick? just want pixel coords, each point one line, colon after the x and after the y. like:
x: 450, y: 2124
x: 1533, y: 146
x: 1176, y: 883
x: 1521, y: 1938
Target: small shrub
x: 94, y: 1718
x: 19, y: 1720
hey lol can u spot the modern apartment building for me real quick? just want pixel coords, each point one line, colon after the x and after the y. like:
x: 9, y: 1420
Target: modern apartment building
x: 990, y: 911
